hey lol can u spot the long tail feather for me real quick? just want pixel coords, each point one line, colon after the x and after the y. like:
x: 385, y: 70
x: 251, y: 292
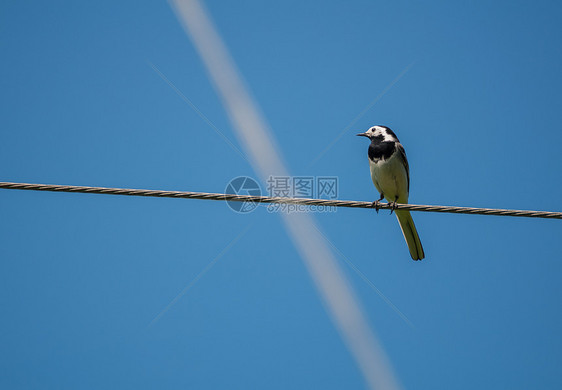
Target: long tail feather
x: 410, y: 234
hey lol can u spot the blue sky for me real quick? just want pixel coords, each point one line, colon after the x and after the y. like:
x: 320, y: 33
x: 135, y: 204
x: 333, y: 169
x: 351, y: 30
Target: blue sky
x: 83, y: 276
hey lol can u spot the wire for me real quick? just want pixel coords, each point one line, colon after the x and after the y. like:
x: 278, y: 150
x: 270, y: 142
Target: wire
x: 267, y: 199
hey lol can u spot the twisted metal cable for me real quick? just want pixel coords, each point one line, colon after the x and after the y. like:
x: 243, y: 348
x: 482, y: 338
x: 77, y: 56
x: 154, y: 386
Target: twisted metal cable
x: 267, y: 199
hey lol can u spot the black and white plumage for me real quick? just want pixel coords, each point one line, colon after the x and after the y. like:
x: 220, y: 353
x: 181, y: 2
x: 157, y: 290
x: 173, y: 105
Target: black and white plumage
x: 391, y: 175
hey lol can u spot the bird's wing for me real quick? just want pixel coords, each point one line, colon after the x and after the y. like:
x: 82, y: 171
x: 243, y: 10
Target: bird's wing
x: 404, y: 161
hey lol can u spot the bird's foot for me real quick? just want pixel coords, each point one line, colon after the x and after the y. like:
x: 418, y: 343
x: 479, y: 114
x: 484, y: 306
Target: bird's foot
x: 377, y: 205
x: 392, y: 207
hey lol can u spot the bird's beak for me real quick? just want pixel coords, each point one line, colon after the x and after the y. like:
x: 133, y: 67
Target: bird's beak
x: 362, y: 134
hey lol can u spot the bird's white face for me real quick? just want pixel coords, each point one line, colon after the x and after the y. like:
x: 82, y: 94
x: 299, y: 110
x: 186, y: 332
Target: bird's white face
x: 380, y: 134
x: 375, y: 131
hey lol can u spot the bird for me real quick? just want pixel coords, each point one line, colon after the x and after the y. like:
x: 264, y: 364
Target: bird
x: 391, y: 176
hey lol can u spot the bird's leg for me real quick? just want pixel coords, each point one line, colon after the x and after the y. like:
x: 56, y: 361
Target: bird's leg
x: 393, y: 205
x: 376, y: 204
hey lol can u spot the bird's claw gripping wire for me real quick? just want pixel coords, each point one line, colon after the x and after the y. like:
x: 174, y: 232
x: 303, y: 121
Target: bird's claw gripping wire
x: 392, y: 206
x: 377, y: 203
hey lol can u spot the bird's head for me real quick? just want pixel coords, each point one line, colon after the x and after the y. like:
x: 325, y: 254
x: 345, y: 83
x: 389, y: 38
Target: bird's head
x: 380, y: 134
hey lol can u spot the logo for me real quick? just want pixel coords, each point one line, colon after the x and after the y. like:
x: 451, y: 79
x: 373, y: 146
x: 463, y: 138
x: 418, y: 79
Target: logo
x: 243, y: 185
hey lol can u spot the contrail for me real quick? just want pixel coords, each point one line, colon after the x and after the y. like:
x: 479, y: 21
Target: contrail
x: 255, y: 135
x: 194, y: 108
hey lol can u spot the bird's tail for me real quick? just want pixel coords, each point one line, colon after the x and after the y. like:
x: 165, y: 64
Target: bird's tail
x: 410, y: 234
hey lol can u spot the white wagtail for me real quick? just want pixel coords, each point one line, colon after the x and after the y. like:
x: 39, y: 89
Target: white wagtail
x: 391, y: 176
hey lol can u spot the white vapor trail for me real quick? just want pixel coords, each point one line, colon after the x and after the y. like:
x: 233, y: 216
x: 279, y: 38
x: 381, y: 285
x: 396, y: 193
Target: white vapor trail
x: 255, y: 136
